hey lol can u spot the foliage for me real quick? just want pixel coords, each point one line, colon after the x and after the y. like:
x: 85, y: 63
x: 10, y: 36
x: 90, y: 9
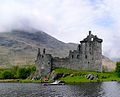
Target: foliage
x: 15, y: 72
x: 74, y: 77
x: 118, y: 69
x: 23, y: 73
x: 7, y: 74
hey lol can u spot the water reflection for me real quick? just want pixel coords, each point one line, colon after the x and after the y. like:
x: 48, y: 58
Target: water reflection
x: 111, y: 89
x: 84, y: 90
x: 106, y: 89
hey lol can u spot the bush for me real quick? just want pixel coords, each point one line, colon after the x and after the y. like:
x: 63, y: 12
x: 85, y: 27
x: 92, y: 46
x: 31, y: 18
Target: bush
x: 118, y: 68
x: 7, y: 74
x: 33, y: 68
x: 23, y: 73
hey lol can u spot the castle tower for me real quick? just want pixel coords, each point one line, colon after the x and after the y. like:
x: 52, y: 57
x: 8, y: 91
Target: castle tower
x: 43, y: 63
x: 92, y: 53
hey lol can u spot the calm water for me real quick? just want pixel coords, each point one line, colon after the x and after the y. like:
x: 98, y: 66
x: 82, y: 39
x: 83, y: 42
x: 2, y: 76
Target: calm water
x: 106, y: 89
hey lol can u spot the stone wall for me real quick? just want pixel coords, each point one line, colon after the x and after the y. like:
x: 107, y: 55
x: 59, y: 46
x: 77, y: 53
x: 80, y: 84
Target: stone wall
x: 44, y: 63
x: 87, y: 56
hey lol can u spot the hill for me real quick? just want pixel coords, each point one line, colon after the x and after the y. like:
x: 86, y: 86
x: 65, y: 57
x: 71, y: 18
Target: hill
x: 108, y: 64
x: 19, y: 47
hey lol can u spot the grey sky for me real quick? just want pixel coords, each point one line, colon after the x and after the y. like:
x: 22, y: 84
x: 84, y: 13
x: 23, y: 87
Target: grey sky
x: 66, y: 20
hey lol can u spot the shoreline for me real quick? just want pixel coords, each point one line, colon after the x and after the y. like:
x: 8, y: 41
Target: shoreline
x: 66, y: 83
x: 68, y: 76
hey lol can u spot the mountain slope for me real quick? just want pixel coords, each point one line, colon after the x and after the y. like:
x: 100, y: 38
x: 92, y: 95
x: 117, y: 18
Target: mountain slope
x: 19, y: 47
x: 108, y: 65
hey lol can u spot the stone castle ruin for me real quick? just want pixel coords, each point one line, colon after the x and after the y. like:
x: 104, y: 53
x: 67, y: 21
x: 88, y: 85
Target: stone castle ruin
x: 87, y: 57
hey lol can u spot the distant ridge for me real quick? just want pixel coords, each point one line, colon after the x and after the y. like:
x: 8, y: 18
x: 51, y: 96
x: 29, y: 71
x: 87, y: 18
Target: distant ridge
x: 108, y: 64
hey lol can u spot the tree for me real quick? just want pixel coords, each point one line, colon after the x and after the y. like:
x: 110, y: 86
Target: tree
x: 118, y: 68
x: 23, y: 73
x: 7, y: 74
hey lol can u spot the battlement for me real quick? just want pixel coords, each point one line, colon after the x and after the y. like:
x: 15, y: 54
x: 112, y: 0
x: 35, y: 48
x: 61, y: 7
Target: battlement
x: 91, y: 38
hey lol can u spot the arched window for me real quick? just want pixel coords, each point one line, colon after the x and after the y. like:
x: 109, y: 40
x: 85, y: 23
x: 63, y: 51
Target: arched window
x: 91, y: 39
x: 85, y: 56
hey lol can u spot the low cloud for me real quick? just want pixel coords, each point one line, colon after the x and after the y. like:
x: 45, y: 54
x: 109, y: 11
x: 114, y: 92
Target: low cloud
x: 67, y: 20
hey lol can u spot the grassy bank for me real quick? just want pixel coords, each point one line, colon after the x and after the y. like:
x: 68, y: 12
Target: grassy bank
x: 72, y: 76
x: 77, y: 77
x: 22, y: 81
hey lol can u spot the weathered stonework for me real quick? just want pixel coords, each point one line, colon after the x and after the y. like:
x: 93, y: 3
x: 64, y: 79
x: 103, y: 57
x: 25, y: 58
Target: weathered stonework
x: 87, y: 57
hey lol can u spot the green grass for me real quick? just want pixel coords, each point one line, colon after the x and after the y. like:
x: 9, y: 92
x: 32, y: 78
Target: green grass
x: 79, y: 77
x: 30, y: 81
x: 71, y: 77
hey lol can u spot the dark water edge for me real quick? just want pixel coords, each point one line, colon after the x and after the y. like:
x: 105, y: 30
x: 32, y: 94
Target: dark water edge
x: 104, y: 89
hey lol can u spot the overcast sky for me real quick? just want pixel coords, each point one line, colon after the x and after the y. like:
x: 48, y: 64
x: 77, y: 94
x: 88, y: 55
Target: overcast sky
x: 66, y: 20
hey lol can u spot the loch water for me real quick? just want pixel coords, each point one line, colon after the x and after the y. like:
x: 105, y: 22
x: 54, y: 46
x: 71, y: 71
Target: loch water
x: 104, y: 89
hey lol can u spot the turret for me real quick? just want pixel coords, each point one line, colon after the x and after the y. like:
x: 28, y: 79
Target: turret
x: 44, y: 51
x: 89, y: 33
x: 39, y: 54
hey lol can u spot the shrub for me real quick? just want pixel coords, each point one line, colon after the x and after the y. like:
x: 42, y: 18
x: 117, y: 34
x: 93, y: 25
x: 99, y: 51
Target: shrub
x: 23, y: 73
x: 32, y: 68
x: 118, y: 68
x: 7, y: 74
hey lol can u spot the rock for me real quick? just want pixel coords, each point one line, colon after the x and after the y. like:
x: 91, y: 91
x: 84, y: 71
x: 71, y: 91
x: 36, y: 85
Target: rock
x: 64, y: 75
x: 71, y: 75
x: 91, y: 77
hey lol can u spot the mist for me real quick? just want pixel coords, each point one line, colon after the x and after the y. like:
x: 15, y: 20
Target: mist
x: 66, y: 20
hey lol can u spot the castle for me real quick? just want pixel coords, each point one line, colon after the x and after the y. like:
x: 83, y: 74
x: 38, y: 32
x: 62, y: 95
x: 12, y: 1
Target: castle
x: 87, y: 57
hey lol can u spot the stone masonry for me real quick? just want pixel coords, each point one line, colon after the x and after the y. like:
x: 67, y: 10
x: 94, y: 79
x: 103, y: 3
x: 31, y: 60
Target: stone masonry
x: 87, y: 57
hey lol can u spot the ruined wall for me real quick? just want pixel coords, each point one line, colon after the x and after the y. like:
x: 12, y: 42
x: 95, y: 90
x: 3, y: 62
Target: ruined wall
x: 98, y: 57
x: 60, y: 62
x: 87, y: 56
x: 44, y: 63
